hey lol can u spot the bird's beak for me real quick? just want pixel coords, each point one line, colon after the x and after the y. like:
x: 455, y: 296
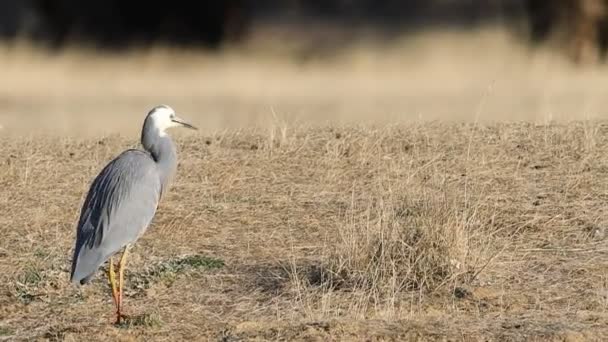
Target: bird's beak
x: 183, y: 122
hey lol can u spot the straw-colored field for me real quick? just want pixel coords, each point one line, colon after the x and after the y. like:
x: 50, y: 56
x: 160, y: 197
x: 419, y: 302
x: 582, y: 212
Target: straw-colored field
x: 375, y: 196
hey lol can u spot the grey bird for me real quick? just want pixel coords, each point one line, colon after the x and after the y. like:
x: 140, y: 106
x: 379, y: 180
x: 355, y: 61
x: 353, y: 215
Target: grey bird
x: 122, y: 201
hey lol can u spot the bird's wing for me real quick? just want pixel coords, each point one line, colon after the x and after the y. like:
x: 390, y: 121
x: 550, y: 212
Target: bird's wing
x: 119, y: 207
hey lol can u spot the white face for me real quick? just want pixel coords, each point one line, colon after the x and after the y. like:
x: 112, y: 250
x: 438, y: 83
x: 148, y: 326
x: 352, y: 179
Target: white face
x: 162, y: 118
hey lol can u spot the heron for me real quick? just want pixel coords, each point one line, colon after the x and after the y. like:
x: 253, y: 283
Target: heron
x: 122, y: 201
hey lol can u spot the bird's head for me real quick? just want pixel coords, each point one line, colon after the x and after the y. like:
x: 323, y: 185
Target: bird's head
x: 163, y: 117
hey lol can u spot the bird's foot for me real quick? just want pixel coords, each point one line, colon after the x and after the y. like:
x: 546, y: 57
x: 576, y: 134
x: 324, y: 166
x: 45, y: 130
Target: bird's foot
x: 121, y: 319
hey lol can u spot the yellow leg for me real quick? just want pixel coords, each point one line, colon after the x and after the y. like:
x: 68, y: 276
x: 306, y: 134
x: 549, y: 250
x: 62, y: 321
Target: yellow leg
x: 112, y: 279
x: 121, y: 272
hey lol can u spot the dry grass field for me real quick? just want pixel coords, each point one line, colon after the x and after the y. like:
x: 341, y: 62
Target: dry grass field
x: 376, y: 198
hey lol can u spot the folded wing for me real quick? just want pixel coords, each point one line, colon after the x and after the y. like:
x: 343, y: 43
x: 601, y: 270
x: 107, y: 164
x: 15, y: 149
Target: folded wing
x: 119, y: 207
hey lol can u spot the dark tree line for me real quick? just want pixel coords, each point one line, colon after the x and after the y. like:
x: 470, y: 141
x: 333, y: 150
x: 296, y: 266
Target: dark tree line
x: 580, y: 25
x: 119, y: 23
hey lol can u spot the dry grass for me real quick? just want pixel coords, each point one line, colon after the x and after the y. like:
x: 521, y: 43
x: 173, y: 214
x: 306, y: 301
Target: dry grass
x: 321, y: 200
x: 481, y: 75
x: 420, y: 231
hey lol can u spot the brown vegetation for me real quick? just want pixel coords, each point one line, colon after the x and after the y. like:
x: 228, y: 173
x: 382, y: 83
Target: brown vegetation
x: 320, y: 200
x: 418, y: 230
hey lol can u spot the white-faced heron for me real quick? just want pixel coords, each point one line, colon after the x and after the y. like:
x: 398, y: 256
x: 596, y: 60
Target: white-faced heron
x: 122, y: 201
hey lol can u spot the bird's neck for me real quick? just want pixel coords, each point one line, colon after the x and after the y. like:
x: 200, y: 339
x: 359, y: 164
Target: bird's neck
x: 163, y: 152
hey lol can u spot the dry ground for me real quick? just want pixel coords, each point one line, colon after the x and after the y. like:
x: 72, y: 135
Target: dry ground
x: 437, y: 188
x: 407, y: 231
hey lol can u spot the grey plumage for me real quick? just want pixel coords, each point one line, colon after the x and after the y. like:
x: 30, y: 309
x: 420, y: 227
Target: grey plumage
x: 123, y: 198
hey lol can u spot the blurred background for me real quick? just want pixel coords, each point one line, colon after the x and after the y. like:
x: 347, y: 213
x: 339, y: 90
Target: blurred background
x: 95, y: 67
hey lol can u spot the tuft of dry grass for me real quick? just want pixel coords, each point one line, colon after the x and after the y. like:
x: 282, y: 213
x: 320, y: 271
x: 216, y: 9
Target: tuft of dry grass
x: 394, y: 245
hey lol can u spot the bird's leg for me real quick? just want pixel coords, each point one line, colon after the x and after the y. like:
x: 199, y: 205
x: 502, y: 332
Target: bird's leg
x: 121, y: 272
x: 112, y: 278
